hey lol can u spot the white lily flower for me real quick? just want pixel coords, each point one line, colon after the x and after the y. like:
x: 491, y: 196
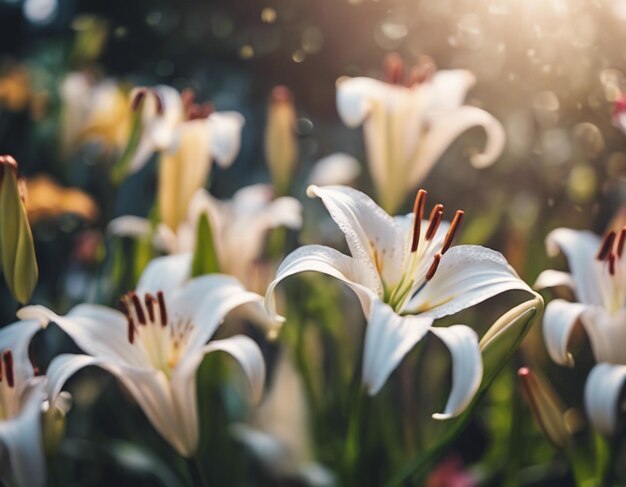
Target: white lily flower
x: 93, y: 111
x: 598, y: 280
x: 252, y: 212
x: 22, y: 397
x: 154, y: 347
x: 279, y: 432
x: 408, y: 127
x: 403, y: 280
x: 188, y: 137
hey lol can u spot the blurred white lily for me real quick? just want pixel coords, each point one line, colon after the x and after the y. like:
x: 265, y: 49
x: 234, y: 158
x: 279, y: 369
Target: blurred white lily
x: 22, y: 399
x: 408, y: 127
x: 598, y: 279
x: 338, y: 168
x: 279, y: 431
x: 156, y: 344
x: 188, y: 136
x: 93, y: 111
x: 252, y: 212
x: 404, y: 282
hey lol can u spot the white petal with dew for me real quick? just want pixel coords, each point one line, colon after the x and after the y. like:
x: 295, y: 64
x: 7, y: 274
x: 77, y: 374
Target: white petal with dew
x: 368, y: 229
x: 388, y: 338
x: 558, y: 323
x: 467, y: 367
x: 319, y: 258
x: 467, y: 275
x: 603, y: 391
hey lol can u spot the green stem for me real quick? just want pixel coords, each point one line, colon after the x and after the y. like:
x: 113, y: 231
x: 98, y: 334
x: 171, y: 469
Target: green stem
x: 354, y: 451
x: 196, y: 472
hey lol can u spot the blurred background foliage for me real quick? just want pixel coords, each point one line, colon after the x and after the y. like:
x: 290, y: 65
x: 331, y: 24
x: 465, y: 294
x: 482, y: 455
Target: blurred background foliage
x: 549, y: 70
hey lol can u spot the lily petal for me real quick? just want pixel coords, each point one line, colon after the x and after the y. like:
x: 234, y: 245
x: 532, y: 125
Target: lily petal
x: 240, y: 347
x: 208, y: 299
x: 467, y: 367
x: 603, y: 391
x: 467, y: 275
x: 17, y: 337
x: 374, y: 238
x: 150, y: 389
x: 551, y: 278
x: 388, y: 338
x: 558, y: 323
x: 21, y: 436
x: 165, y: 273
x: 226, y: 136
x: 319, y: 258
x: 580, y: 248
x: 448, y: 89
x: 446, y: 127
x: 607, y: 334
x: 98, y: 330
x: 354, y: 98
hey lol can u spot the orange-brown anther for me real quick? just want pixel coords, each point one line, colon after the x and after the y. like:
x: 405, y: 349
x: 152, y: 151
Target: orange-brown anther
x: 453, y: 230
x: 607, y: 245
x: 141, y: 316
x: 433, y: 266
x: 150, y: 301
x: 422, y: 71
x: 612, y: 263
x: 418, y: 215
x: 435, y: 219
x: 621, y: 241
x: 139, y: 97
x: 162, y: 308
x: 7, y: 357
x: 131, y: 330
x: 394, y: 69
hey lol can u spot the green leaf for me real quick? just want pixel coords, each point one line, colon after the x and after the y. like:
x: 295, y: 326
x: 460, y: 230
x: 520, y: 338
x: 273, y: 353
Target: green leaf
x: 17, y: 249
x: 205, y: 254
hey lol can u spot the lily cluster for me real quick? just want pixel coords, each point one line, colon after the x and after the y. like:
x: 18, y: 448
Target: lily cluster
x: 213, y: 270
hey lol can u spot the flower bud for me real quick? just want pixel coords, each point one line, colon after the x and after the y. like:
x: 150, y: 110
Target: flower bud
x: 281, y: 146
x: 53, y: 429
x: 17, y: 250
x: 546, y: 407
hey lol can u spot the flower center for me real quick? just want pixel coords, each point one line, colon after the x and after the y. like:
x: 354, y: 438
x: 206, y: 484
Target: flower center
x: 613, y: 286
x: 426, y: 251
x: 8, y: 403
x: 420, y: 73
x: 151, y: 327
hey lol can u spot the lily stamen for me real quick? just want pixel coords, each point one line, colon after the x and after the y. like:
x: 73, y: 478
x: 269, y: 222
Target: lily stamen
x: 452, y: 231
x: 436, y: 216
x: 141, y: 316
x: 606, y: 246
x: 150, y: 301
x: 621, y: 241
x: 138, y: 99
x: 418, y: 215
x: 433, y: 267
x: 7, y: 358
x: 394, y: 69
x: 162, y: 308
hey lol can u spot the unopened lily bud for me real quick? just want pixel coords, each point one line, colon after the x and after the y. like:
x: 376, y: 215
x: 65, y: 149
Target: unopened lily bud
x: 546, y: 407
x: 17, y: 250
x: 281, y: 146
